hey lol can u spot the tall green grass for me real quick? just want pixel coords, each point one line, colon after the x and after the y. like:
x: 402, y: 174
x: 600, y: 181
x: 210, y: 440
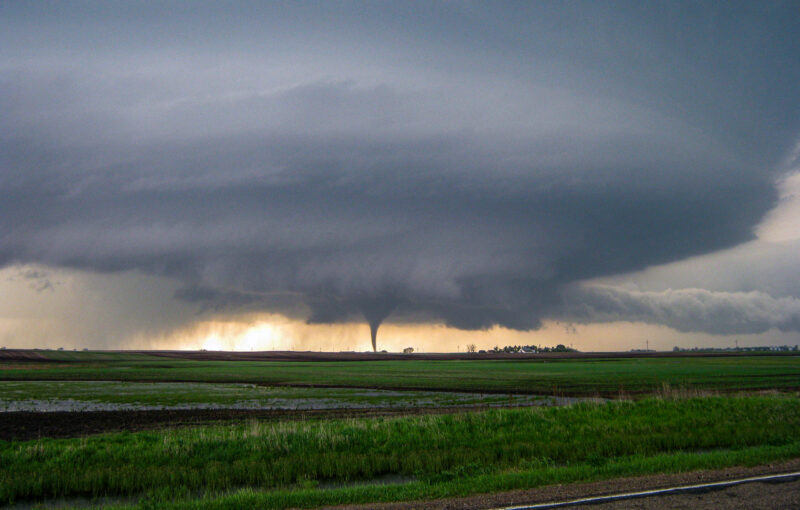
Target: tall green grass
x: 436, y: 451
x: 523, y: 478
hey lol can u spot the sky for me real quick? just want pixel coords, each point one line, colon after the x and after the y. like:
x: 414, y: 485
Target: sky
x: 239, y: 175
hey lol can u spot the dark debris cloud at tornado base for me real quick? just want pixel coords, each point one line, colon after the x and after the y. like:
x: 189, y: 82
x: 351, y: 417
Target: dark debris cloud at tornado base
x: 470, y: 164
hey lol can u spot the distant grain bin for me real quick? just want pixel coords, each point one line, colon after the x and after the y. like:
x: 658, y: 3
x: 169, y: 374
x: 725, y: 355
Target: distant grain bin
x: 408, y: 350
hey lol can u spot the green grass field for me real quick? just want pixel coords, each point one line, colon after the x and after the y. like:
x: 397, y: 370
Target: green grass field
x: 686, y: 414
x: 277, y: 465
x: 561, y: 377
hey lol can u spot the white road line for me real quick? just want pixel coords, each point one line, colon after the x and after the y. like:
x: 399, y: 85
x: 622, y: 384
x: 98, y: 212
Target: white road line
x: 655, y: 492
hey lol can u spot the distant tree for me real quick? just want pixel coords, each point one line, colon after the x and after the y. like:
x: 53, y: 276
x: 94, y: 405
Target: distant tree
x: 471, y: 347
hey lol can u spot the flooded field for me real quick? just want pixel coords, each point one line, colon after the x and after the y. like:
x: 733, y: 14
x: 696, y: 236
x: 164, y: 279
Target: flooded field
x: 71, y: 396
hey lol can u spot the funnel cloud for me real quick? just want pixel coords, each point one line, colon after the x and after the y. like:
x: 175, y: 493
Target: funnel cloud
x: 463, y: 164
x: 375, y: 311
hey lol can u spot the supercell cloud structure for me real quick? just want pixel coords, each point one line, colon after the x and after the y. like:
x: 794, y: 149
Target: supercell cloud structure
x: 467, y: 163
x: 689, y: 310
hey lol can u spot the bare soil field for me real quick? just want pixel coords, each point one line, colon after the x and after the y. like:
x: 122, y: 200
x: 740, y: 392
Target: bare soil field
x: 23, y: 355
x: 24, y: 425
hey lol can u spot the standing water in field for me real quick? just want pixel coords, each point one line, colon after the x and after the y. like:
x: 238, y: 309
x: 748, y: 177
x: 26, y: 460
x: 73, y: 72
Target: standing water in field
x: 72, y: 396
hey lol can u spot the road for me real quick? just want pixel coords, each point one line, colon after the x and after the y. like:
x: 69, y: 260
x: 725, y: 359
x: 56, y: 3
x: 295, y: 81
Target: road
x: 755, y: 495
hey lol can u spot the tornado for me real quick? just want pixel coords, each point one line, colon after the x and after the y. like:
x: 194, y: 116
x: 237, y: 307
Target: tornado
x: 375, y: 310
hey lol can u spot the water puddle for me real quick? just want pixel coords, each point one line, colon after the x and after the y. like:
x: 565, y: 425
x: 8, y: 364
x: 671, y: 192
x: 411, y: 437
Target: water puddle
x: 87, y: 396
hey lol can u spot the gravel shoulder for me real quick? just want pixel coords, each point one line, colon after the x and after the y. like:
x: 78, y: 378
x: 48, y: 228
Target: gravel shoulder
x: 749, y: 496
x: 752, y: 495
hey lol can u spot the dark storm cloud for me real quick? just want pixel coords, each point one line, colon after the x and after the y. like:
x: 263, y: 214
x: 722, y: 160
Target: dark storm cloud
x: 687, y: 309
x: 368, y: 165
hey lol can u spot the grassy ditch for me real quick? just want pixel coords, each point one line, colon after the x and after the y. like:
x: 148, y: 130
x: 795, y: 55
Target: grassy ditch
x: 465, y: 486
x: 285, y: 464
